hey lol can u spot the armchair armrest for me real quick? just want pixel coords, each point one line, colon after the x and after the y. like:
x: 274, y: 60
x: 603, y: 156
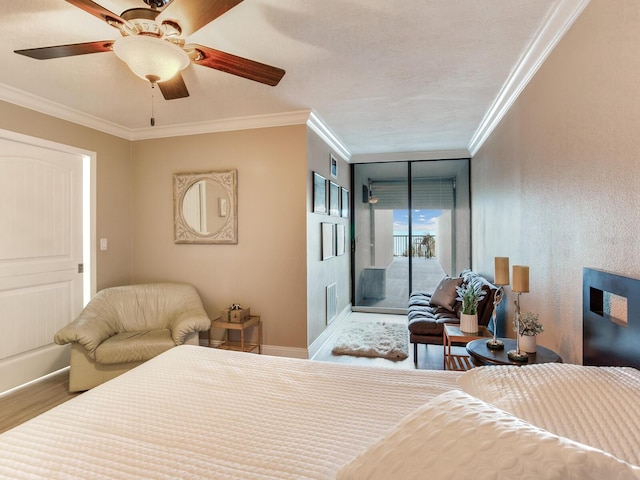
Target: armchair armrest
x: 96, y: 323
x: 188, y: 321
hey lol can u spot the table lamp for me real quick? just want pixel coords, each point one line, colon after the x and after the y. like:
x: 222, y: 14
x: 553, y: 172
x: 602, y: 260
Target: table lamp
x: 520, y: 285
x: 501, y: 278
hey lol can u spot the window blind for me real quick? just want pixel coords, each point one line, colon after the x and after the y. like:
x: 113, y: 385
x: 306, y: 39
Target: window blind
x: 427, y: 194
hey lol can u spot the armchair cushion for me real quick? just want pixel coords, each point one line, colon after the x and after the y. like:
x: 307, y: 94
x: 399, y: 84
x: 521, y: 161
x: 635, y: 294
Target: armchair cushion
x: 133, y: 346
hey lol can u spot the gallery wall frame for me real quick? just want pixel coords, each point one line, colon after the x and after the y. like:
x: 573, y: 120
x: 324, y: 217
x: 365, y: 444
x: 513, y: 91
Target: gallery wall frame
x: 340, y: 240
x: 319, y: 194
x: 328, y: 240
x: 344, y: 203
x: 333, y: 166
x: 334, y: 199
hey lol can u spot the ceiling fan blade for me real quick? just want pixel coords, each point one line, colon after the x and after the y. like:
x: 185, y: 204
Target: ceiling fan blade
x: 174, y: 88
x: 96, y: 10
x: 242, y: 67
x: 192, y: 15
x: 58, y: 51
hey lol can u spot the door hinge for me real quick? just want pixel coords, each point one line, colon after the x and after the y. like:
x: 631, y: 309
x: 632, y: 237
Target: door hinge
x: 80, y: 267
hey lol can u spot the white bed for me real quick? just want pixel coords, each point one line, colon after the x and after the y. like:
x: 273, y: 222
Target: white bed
x: 195, y: 412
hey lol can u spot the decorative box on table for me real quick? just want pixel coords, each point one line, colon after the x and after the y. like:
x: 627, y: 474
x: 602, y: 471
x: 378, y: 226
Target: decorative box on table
x: 236, y: 316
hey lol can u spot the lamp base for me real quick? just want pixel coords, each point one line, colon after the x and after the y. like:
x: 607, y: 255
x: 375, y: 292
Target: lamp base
x: 517, y: 356
x: 495, y: 344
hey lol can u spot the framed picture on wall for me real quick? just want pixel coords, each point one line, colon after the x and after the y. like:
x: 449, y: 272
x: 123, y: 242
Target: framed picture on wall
x: 344, y: 211
x: 334, y: 199
x: 334, y: 166
x: 328, y: 240
x: 319, y: 193
x: 340, y: 240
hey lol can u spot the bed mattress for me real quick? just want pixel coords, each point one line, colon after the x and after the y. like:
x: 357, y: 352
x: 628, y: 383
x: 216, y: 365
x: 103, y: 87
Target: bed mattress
x: 195, y: 412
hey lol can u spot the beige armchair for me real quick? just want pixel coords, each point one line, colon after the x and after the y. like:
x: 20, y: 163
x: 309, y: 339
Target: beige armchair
x: 122, y: 327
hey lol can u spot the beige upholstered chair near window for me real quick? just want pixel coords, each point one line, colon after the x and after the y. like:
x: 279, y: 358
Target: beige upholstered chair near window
x: 122, y: 327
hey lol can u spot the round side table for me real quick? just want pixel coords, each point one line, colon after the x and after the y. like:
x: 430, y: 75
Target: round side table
x: 481, y: 355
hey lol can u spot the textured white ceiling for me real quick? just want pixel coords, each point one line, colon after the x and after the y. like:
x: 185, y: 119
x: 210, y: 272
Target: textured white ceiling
x: 383, y: 75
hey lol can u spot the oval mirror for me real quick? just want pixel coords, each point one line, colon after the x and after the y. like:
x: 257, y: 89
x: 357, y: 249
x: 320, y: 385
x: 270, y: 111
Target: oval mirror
x: 205, y: 207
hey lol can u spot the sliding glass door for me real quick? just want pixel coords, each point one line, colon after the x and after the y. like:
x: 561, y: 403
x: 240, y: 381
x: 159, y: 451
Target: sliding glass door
x: 411, y: 227
x: 381, y: 243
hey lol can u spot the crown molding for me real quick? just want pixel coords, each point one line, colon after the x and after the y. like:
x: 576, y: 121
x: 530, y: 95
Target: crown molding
x: 316, y: 124
x: 559, y: 20
x: 410, y: 156
x: 47, y: 107
x: 299, y: 117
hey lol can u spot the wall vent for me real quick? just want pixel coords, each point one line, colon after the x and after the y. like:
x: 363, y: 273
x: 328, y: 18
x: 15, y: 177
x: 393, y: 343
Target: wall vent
x: 332, y: 302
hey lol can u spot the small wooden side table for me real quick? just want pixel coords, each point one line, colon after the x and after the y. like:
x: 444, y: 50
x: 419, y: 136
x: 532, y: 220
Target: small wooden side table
x: 452, y: 334
x: 241, y: 346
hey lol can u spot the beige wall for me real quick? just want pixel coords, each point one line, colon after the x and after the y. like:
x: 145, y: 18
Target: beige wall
x: 556, y: 186
x: 336, y: 269
x: 266, y: 270
x: 113, y: 178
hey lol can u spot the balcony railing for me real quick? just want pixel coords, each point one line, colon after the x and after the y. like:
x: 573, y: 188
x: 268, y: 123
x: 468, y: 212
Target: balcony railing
x: 416, y: 246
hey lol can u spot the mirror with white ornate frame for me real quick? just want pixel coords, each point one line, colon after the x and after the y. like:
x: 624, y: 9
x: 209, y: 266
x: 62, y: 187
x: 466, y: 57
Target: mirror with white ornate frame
x: 205, y: 207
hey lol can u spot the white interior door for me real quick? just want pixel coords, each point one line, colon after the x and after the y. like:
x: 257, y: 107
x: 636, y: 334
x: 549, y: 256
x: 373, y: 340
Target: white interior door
x: 41, y: 244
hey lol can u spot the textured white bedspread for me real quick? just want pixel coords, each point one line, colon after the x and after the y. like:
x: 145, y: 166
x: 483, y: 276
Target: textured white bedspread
x: 195, y: 412
x: 596, y: 406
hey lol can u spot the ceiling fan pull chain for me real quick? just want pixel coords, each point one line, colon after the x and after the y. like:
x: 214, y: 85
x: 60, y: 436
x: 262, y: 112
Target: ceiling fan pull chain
x: 153, y: 120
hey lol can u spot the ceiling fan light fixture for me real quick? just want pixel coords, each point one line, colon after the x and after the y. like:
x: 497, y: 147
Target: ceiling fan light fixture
x: 151, y: 57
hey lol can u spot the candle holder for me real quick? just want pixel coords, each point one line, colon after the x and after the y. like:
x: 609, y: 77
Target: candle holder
x: 501, y: 278
x: 495, y: 343
x: 517, y: 355
x: 520, y: 285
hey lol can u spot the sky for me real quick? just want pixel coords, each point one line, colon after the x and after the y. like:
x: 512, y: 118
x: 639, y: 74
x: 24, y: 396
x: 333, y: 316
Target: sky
x: 424, y: 221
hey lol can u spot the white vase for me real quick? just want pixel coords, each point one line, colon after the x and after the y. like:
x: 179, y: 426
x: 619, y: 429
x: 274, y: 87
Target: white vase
x: 528, y: 343
x: 469, y: 323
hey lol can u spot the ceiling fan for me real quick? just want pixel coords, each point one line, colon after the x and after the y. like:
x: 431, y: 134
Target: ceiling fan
x: 153, y: 43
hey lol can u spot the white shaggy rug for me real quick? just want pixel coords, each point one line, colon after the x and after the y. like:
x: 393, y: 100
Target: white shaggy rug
x: 373, y: 339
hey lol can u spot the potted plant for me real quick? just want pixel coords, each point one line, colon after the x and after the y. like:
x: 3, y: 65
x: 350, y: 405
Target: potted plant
x: 530, y: 326
x: 470, y: 295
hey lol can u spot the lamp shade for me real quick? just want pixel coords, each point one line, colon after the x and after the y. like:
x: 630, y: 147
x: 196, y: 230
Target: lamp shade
x: 151, y: 58
x: 501, y: 276
x: 520, y: 279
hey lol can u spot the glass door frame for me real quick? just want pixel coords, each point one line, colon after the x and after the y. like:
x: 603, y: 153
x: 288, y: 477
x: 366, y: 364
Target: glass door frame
x: 459, y: 219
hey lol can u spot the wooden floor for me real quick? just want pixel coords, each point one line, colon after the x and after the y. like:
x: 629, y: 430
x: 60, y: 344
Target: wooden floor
x: 27, y: 402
